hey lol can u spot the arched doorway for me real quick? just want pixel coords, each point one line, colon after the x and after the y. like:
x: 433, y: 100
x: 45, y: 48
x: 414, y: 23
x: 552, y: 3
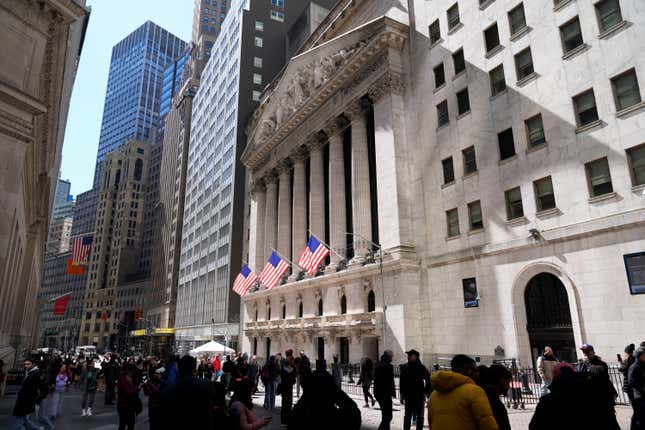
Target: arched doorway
x: 548, y: 317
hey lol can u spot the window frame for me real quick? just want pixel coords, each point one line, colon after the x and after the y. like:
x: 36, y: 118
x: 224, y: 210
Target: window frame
x: 459, y: 101
x: 527, y: 130
x: 508, y: 202
x: 577, y: 112
x: 566, y: 51
x: 516, y: 57
x: 452, y: 25
x: 598, y: 18
x: 538, y: 197
x: 505, y: 133
x: 452, y: 170
x: 458, y: 230
x: 443, y: 74
x: 499, y: 41
x: 520, y: 6
x: 470, y: 215
x: 490, y: 78
x: 459, y: 53
x: 590, y: 186
x: 438, y: 33
x: 630, y: 161
x: 631, y: 71
x: 443, y: 118
x: 465, y: 163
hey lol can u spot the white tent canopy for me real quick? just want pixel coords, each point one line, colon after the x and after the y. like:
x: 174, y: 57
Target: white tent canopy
x: 211, y: 347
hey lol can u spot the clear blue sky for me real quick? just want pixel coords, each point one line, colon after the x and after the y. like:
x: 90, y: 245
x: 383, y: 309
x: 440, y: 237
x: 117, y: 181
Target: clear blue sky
x: 110, y: 21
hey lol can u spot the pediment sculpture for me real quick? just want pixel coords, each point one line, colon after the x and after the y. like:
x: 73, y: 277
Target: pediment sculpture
x: 307, y: 79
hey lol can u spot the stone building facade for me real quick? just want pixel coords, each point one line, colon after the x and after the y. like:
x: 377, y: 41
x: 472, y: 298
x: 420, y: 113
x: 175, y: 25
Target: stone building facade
x: 41, y: 43
x: 506, y: 197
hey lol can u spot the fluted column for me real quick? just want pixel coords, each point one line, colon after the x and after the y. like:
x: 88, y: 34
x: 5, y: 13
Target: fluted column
x: 256, y: 234
x: 317, y: 190
x: 361, y: 199
x: 299, y: 216
x: 271, y: 217
x: 284, y: 210
x: 337, y: 212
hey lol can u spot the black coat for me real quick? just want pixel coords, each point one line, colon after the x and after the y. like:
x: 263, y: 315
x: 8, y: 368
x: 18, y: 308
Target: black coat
x: 187, y: 404
x: 499, y: 410
x: 597, y: 373
x: 30, y: 392
x: 111, y: 372
x: 415, y: 381
x: 384, y: 380
x: 636, y: 378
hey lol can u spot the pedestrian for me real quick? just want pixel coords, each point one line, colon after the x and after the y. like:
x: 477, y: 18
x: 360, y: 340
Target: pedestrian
x: 303, y: 365
x: 636, y: 382
x: 496, y: 381
x: 128, y: 403
x: 46, y: 386
x: 170, y: 375
x: 190, y: 396
x: 217, y: 367
x: 242, y: 410
x: 227, y: 372
x: 545, y: 364
x: 88, y: 387
x: 365, y: 380
x: 208, y: 372
x: 601, y: 388
x: 254, y: 373
x: 626, y: 361
x: 110, y: 372
x: 268, y: 375
x: 384, y: 389
x: 30, y: 391
x: 324, y: 406
x: 336, y: 372
x: 456, y: 402
x: 287, y: 381
x: 414, y: 387
x: 61, y: 383
x: 201, y: 369
x: 152, y: 389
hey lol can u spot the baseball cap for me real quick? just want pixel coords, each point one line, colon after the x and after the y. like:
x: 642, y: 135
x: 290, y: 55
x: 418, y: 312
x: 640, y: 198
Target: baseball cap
x: 586, y: 347
x: 413, y: 352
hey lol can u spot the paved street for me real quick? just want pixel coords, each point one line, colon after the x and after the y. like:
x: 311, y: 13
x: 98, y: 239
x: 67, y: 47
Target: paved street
x: 105, y: 418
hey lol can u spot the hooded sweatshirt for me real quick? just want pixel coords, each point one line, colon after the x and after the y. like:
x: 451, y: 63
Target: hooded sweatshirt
x: 458, y: 403
x: 636, y: 375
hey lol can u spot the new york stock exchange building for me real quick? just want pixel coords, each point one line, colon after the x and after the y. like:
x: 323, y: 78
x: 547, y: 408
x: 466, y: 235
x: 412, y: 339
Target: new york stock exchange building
x: 472, y: 201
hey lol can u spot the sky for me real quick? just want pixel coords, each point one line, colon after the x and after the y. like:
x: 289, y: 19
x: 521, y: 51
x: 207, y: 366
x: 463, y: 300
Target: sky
x: 110, y: 21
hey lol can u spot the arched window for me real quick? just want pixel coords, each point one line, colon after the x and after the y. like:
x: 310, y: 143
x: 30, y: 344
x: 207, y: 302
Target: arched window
x: 343, y: 305
x: 301, y: 310
x: 268, y: 313
x: 284, y: 311
x: 138, y: 169
x: 371, y: 301
x: 320, y: 307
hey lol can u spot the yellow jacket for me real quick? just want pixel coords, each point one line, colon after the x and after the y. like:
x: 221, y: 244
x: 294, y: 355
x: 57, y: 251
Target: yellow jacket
x: 456, y: 403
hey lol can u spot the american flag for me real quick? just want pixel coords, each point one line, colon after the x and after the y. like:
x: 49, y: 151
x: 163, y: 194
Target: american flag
x: 274, y: 270
x: 81, y: 250
x: 244, y: 281
x: 313, y: 255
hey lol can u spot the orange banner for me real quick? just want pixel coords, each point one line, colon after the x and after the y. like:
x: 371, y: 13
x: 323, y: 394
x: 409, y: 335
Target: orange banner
x: 74, y: 270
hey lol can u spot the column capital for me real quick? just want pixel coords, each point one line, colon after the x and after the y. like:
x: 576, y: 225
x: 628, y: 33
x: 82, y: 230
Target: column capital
x: 270, y: 177
x: 357, y: 109
x: 335, y: 126
x: 389, y: 83
x: 316, y: 141
x: 284, y: 166
x: 258, y: 186
x: 299, y: 154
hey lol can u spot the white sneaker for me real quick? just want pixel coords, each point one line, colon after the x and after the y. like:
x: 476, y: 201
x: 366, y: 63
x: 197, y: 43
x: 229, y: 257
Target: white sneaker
x: 89, y: 412
x: 84, y: 414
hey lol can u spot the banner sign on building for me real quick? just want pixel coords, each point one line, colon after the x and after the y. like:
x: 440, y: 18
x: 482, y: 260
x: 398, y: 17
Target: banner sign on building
x: 471, y: 298
x: 60, y: 304
x: 635, y: 267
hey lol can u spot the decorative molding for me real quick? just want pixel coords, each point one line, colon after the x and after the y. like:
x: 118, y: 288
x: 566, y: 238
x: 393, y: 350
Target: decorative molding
x: 358, y: 109
x: 389, y: 83
x: 299, y: 154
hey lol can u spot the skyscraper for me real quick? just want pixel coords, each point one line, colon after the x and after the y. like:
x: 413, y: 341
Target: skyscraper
x: 208, y: 19
x: 249, y: 53
x: 133, y: 95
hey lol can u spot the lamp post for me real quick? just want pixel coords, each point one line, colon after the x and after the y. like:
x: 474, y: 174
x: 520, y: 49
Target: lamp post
x: 380, y: 249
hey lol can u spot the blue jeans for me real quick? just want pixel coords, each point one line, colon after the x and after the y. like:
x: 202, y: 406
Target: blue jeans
x: 43, y: 415
x: 269, y: 395
x: 544, y: 388
x: 23, y: 423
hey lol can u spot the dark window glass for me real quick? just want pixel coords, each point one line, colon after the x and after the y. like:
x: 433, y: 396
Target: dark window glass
x: 497, y: 80
x: 599, y: 177
x: 453, y: 16
x: 343, y: 305
x: 637, y: 164
x: 535, y: 131
x: 442, y: 113
x: 475, y: 215
x: 544, y: 196
x: 491, y: 36
x: 448, y: 170
x: 506, y: 144
x: 452, y: 221
x: 514, y: 208
x: 371, y: 301
x: 439, y: 76
x: 463, y: 101
x: 609, y: 15
x: 626, y: 91
x: 585, y: 107
x: 459, y: 61
x: 571, y: 35
x: 524, y: 64
x: 517, y: 19
x: 470, y: 161
x: 435, y: 32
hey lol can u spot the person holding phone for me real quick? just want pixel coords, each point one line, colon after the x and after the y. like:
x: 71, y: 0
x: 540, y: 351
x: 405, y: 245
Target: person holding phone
x: 625, y: 363
x: 242, y: 409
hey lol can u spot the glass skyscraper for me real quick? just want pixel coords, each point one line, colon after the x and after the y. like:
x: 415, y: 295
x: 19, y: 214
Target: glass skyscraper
x: 133, y: 95
x: 172, y: 80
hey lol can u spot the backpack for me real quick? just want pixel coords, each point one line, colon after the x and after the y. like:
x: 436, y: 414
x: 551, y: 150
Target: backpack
x: 265, y: 374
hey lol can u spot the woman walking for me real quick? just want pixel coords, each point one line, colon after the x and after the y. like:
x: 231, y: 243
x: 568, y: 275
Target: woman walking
x: 365, y: 379
x: 60, y: 384
x: 128, y: 403
x: 88, y: 386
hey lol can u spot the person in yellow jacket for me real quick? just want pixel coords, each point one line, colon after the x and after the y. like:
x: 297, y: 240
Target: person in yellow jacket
x: 456, y: 402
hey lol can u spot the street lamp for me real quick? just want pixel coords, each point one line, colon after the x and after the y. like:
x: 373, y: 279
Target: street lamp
x: 380, y: 249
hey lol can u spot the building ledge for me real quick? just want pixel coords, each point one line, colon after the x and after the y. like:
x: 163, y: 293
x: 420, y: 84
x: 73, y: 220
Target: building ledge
x: 520, y: 33
x: 494, y: 51
x: 465, y: 114
x: 451, y: 238
x: 507, y: 160
x: 439, y: 88
x: 456, y: 28
x: 591, y: 126
x: 517, y: 221
x: 470, y: 175
x: 476, y: 231
x: 483, y: 5
x: 575, y: 51
x: 562, y: 5
x: 527, y: 79
x: 624, y: 113
x: 547, y: 213
x: 639, y: 189
x: 536, y: 148
x: 602, y: 198
x: 459, y: 75
x: 438, y: 42
x: 614, y: 29
x: 447, y: 184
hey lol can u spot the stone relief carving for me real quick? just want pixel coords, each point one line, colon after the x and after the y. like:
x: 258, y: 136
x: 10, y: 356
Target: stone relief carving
x: 307, y: 79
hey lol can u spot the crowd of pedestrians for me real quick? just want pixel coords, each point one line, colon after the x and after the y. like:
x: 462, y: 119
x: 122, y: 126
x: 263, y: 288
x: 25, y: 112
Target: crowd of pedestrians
x: 185, y: 393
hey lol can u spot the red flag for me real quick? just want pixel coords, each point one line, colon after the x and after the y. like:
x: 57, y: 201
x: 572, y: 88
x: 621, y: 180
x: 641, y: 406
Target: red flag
x: 74, y: 270
x: 138, y: 313
x: 104, y: 316
x: 60, y: 305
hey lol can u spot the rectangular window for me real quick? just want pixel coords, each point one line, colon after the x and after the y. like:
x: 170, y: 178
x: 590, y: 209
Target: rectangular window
x: 517, y: 19
x: 452, y: 219
x: 463, y: 101
x: 524, y: 64
x: 257, y: 79
x: 442, y: 113
x: 585, y: 108
x: 258, y: 42
x: 506, y: 144
x: 439, y: 76
x: 448, y: 170
x: 544, y: 196
x: 636, y: 157
x: 471, y: 297
x: 470, y: 160
x: 257, y: 62
x: 435, y: 32
x: 599, y: 178
x: 626, y: 91
x: 259, y: 26
x: 514, y: 208
x: 497, y: 80
x: 535, y: 131
x: 608, y: 13
x: 256, y: 95
x: 278, y: 3
x: 277, y: 16
x: 491, y: 37
x: 571, y: 35
x: 458, y: 61
x: 635, y: 267
x: 475, y: 215
x: 453, y: 16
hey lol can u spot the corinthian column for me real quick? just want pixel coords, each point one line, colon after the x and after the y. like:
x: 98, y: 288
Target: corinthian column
x: 317, y: 190
x: 361, y: 199
x: 299, y: 233
x: 256, y: 239
x: 337, y: 212
x: 271, y: 217
x: 284, y: 210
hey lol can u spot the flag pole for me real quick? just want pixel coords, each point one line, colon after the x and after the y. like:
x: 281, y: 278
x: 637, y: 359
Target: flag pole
x: 328, y: 247
x: 58, y: 297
